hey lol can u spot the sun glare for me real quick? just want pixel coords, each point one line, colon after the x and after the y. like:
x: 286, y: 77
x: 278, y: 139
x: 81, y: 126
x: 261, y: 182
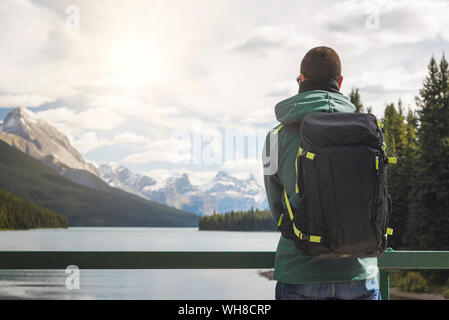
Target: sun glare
x: 133, y: 61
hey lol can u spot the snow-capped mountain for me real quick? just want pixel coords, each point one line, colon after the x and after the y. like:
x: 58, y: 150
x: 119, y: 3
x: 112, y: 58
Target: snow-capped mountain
x: 27, y: 132
x: 236, y: 194
x: 120, y: 177
x: 178, y: 192
x: 221, y: 194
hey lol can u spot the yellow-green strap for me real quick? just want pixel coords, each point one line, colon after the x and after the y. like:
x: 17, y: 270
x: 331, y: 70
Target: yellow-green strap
x: 310, y: 155
x: 392, y: 160
x: 296, y: 168
x: 316, y: 239
x: 298, y: 232
x: 290, y: 213
x: 289, y: 208
x: 280, y: 221
x: 388, y: 233
x: 276, y: 131
x: 379, y: 123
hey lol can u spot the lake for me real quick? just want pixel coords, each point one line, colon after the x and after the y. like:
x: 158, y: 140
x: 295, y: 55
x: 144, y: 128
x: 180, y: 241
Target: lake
x: 137, y: 284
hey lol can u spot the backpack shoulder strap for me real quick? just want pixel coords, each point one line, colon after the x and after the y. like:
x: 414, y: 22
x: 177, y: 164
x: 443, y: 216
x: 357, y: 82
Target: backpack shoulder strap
x: 278, y: 128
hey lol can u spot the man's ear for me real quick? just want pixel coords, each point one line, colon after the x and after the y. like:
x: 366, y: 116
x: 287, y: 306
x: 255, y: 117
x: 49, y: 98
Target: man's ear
x: 302, y: 78
x: 340, y: 82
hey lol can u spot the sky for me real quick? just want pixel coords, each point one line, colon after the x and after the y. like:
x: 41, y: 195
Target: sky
x: 166, y: 87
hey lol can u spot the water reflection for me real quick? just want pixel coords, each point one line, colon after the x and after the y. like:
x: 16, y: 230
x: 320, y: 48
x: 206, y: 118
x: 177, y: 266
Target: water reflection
x: 137, y: 284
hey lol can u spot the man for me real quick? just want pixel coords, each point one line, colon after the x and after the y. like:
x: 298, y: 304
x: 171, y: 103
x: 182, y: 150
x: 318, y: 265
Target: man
x: 299, y: 276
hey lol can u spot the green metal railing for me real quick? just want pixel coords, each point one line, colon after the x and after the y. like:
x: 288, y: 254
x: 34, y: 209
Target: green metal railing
x: 389, y: 261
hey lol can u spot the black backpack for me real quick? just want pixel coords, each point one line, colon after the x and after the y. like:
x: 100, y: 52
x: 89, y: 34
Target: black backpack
x: 341, y: 206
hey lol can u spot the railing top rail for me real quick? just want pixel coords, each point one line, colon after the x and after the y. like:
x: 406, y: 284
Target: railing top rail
x: 414, y: 260
x: 193, y: 259
x: 136, y: 259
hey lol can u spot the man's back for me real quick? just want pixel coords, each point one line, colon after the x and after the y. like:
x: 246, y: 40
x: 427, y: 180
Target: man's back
x: 300, y: 276
x: 291, y: 265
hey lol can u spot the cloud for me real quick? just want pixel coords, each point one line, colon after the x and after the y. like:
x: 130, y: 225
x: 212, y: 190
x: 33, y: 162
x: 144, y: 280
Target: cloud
x: 119, y: 103
x: 22, y: 100
x: 38, y: 53
x: 57, y: 115
x: 81, y: 127
x: 272, y: 37
x: 391, y: 79
x: 284, y: 89
x: 97, y: 118
x: 130, y: 138
x: 368, y: 24
x: 383, y: 86
x: 72, y: 122
x: 126, y: 105
x: 89, y: 141
x: 162, y: 150
x: 118, y: 80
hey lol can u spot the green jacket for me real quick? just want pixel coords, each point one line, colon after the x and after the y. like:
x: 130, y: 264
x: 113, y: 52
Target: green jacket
x: 291, y: 265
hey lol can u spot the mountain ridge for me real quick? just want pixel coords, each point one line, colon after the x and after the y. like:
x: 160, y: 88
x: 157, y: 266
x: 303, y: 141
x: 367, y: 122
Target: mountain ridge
x: 222, y: 194
x: 34, y: 136
x: 30, y: 179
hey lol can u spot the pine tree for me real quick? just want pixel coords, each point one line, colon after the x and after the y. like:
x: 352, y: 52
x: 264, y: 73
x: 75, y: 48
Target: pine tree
x: 354, y: 96
x: 400, y: 139
x: 429, y: 215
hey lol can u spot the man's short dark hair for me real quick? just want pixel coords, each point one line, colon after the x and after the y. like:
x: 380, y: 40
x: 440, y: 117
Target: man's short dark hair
x: 321, y: 64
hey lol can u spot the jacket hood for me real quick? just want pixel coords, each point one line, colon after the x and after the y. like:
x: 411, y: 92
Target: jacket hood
x: 291, y: 110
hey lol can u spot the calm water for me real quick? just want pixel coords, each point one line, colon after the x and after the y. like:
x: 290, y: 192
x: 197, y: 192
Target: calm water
x: 137, y: 284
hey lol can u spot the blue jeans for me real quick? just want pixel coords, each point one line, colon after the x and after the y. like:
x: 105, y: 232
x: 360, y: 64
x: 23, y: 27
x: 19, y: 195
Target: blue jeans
x: 350, y: 290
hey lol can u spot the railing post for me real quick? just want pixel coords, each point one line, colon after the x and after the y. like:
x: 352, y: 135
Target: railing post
x: 385, y: 284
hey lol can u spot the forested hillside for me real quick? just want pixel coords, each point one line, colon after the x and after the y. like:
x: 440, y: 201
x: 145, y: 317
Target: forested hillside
x: 419, y: 183
x: 16, y: 213
x: 31, y: 180
x: 253, y: 220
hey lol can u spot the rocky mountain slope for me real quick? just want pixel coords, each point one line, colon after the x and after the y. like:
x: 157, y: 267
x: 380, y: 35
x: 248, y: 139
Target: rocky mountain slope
x: 25, y: 131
